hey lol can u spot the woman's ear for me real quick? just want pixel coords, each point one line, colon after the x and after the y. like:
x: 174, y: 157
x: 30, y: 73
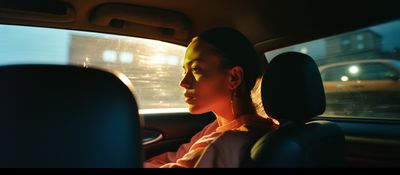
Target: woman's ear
x: 236, y: 75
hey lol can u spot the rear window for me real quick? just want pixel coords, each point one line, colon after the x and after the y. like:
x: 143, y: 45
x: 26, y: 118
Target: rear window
x: 360, y: 71
x: 154, y: 67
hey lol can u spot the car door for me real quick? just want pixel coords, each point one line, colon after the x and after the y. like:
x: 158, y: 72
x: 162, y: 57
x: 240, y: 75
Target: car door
x: 164, y: 132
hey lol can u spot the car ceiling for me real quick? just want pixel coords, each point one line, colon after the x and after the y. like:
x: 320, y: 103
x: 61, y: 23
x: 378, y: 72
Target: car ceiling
x: 269, y: 24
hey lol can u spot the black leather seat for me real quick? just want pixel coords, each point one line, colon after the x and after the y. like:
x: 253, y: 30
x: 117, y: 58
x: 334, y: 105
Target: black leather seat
x: 67, y: 117
x: 293, y: 93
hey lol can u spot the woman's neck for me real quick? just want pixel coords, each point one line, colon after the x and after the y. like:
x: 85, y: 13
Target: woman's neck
x: 242, y: 105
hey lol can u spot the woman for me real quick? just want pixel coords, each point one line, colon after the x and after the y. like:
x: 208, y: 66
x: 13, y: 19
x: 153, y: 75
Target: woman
x: 220, y: 70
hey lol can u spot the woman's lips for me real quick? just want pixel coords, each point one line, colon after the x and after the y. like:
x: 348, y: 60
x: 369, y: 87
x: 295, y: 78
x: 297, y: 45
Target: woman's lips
x: 189, y: 97
x: 190, y: 100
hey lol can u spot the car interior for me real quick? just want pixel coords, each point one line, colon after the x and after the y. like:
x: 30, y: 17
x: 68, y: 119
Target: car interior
x: 79, y: 115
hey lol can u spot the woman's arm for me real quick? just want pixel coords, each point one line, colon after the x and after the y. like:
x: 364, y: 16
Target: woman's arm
x: 172, y: 157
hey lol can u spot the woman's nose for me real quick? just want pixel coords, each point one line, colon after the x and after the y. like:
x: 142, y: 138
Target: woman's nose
x: 187, y: 81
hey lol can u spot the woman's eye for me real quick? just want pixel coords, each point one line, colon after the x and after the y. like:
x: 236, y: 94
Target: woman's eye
x: 196, y: 69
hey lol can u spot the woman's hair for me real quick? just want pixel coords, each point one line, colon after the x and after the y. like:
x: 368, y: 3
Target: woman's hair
x: 237, y: 51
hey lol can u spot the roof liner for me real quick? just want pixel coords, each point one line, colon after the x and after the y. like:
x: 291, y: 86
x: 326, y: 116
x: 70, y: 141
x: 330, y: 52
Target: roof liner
x: 269, y: 24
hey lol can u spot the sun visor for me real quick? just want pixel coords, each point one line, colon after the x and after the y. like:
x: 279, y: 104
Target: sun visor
x: 143, y: 21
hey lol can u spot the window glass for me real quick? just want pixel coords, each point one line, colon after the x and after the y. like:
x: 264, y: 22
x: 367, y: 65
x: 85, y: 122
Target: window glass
x: 360, y: 71
x: 375, y: 72
x: 154, y: 67
x: 340, y: 73
x: 353, y: 72
x: 397, y: 65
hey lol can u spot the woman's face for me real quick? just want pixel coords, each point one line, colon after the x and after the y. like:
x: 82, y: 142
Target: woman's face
x: 205, y: 80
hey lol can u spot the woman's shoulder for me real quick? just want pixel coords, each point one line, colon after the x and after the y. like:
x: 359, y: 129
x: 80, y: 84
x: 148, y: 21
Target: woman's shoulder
x: 255, y: 124
x: 238, y: 138
x: 231, y: 147
x: 253, y: 127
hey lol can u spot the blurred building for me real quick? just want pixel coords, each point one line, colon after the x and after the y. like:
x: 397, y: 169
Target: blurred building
x: 154, y: 67
x: 358, y: 45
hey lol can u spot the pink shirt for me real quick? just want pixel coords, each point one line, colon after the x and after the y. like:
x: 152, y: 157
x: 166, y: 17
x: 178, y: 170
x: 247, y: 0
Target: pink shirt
x: 214, y: 146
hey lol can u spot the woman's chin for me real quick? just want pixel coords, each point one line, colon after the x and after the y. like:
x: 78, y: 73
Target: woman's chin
x: 196, y: 109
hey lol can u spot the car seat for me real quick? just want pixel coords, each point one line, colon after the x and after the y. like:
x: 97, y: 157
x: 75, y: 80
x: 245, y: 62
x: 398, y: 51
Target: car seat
x: 293, y: 93
x: 67, y: 117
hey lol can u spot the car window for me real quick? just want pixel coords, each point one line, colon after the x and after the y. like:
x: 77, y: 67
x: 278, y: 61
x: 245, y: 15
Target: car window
x: 397, y: 64
x: 360, y: 71
x: 354, y: 72
x: 339, y: 73
x: 153, y: 67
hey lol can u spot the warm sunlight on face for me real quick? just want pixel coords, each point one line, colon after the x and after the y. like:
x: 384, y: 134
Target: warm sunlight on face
x: 205, y: 83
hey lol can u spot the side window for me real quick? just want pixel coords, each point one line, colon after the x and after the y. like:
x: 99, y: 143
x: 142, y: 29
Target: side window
x: 345, y: 44
x: 360, y: 71
x: 353, y: 72
x: 340, y: 73
x: 153, y: 67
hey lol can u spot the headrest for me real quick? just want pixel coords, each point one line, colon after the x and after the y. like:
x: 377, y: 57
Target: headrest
x: 292, y: 88
x: 67, y: 117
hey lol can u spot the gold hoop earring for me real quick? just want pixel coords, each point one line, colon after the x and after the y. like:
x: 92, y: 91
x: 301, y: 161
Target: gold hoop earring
x: 233, y: 95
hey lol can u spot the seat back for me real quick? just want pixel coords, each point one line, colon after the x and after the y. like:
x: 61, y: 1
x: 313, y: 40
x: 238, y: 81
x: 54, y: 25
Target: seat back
x: 293, y: 93
x: 67, y: 117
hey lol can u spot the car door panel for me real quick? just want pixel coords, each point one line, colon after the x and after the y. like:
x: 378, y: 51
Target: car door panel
x: 166, y: 132
x: 370, y: 143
